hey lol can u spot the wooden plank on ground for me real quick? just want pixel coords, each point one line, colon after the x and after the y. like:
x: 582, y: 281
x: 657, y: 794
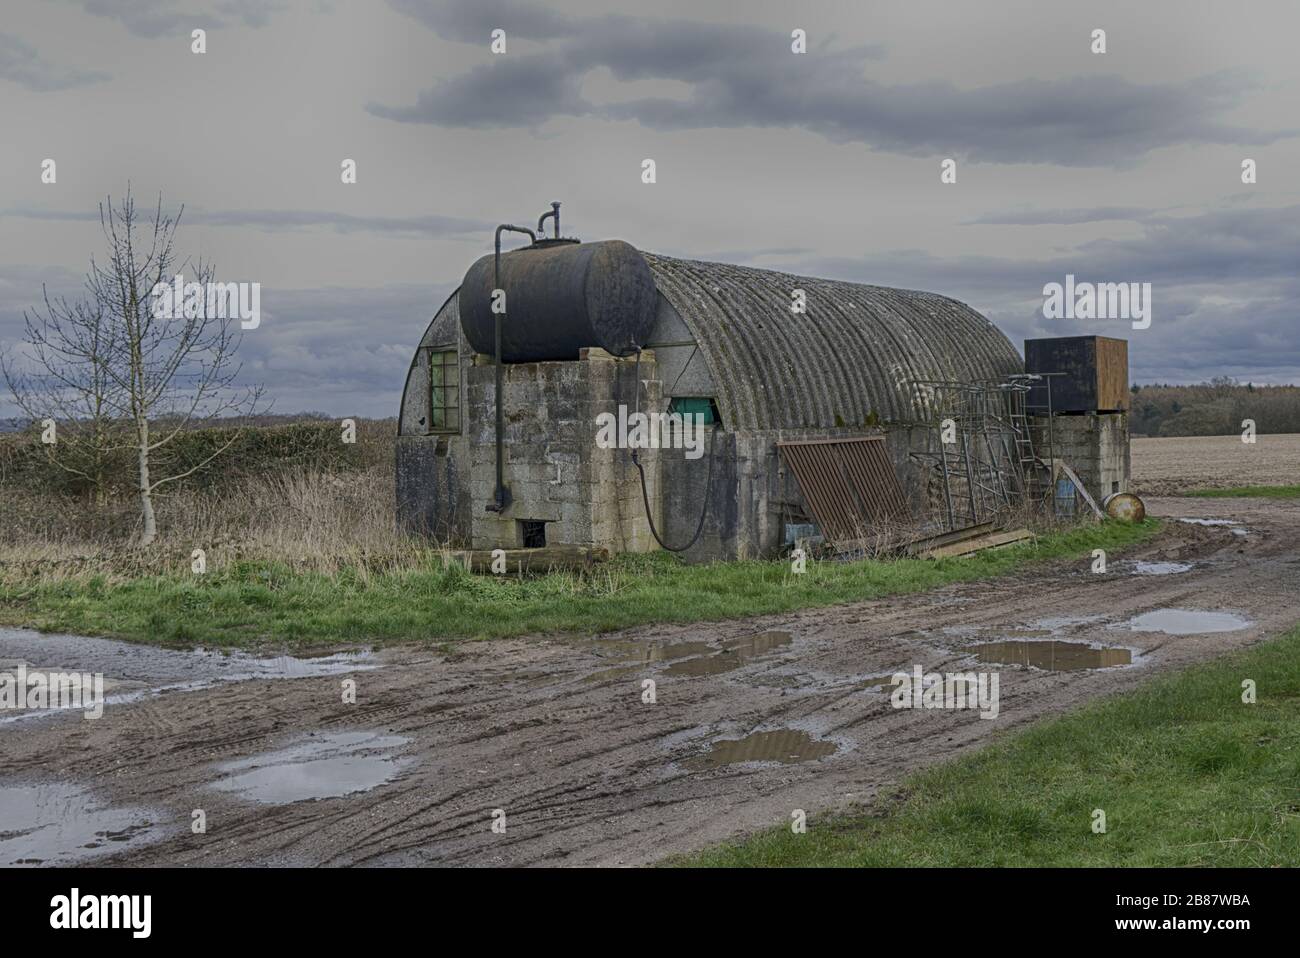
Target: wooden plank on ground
x: 978, y: 544
x: 534, y: 560
x: 926, y: 543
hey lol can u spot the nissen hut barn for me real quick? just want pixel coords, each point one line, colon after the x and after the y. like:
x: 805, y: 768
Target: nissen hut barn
x: 595, y: 332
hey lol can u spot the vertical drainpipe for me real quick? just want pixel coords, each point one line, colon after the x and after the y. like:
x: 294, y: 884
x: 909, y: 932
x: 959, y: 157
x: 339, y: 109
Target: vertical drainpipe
x: 501, y: 496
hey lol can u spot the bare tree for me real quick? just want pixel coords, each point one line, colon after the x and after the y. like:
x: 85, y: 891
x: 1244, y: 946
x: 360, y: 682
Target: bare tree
x: 65, y: 378
x: 175, y: 367
x: 121, y: 358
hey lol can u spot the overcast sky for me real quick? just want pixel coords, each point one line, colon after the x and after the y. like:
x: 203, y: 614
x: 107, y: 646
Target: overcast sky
x: 1120, y: 167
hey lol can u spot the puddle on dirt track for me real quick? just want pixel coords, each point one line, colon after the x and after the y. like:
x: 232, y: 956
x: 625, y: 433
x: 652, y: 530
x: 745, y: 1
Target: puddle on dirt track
x: 150, y: 664
x: 56, y: 823
x: 323, y: 766
x: 1187, y: 622
x: 645, y: 652
x: 880, y: 683
x: 1054, y: 625
x: 691, y: 659
x: 786, y: 746
x: 636, y: 655
x: 1161, y: 568
x: 733, y: 654
x: 887, y: 685
x: 1052, y: 655
x: 244, y: 667
x: 133, y: 672
x: 1232, y: 525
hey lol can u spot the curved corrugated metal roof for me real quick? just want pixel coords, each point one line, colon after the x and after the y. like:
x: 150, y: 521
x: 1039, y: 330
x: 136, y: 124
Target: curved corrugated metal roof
x: 856, y: 351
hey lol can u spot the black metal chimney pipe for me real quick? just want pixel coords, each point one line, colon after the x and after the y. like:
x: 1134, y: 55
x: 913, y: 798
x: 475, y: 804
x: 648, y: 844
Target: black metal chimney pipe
x: 541, y: 220
x: 501, y: 497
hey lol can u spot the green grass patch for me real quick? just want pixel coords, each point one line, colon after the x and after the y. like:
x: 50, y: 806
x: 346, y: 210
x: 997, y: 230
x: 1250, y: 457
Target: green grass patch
x: 251, y: 603
x: 1250, y: 492
x: 1186, y: 773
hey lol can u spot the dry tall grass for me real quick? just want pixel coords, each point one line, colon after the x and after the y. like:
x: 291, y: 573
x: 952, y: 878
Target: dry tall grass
x: 308, y: 520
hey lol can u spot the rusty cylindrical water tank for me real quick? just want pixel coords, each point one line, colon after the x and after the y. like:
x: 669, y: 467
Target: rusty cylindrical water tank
x: 561, y: 296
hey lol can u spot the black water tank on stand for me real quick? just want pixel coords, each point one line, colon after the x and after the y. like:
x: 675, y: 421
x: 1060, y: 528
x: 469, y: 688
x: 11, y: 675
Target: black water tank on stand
x: 561, y: 296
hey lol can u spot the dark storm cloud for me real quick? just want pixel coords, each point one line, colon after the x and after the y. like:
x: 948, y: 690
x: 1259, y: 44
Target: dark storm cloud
x: 1219, y: 247
x: 744, y: 76
x: 474, y: 22
x: 421, y: 227
x: 159, y: 18
x: 22, y: 64
x: 1096, y: 214
x: 1225, y: 295
x: 341, y: 350
x: 1224, y: 280
x: 1225, y: 291
x: 251, y: 13
x: 22, y: 290
x: 519, y: 91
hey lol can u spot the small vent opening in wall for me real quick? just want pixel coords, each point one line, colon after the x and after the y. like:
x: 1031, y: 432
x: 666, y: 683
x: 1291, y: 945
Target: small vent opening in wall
x: 533, y: 533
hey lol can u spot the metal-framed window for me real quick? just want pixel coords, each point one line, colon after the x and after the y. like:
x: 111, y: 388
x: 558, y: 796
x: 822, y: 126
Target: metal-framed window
x: 444, y: 391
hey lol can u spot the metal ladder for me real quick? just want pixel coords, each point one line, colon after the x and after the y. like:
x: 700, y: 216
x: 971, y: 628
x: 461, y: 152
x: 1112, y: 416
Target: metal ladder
x: 1035, y: 471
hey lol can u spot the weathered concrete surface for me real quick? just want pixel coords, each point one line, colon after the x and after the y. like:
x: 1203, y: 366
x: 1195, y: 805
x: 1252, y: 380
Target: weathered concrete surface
x: 555, y: 732
x: 555, y: 470
x: 1094, y: 445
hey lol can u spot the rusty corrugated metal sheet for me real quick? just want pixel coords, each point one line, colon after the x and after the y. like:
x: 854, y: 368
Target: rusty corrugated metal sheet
x: 851, y: 358
x: 849, y: 485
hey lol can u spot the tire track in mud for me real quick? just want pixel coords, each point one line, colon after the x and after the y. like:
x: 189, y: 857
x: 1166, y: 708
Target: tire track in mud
x: 588, y: 774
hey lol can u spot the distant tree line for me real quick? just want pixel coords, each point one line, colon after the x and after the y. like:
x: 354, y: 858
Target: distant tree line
x: 1215, y: 408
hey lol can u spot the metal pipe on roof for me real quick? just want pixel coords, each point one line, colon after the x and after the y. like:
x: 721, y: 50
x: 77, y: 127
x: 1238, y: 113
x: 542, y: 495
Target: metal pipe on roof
x: 501, y: 496
x: 541, y: 220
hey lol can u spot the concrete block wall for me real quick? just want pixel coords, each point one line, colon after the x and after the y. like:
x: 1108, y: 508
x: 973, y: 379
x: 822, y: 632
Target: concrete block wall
x: 586, y: 495
x: 1094, y: 445
x: 556, y: 473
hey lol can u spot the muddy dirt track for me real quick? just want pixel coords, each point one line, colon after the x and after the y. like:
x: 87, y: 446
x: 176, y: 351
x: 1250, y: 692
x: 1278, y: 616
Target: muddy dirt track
x: 752, y: 719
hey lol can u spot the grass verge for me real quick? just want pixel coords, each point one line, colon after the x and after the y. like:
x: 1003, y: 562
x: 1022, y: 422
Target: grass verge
x: 1249, y: 492
x: 262, y: 603
x: 1186, y: 774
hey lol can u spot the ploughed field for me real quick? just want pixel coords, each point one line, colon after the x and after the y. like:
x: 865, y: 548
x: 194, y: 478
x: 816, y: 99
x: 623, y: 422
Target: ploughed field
x: 1182, y: 464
